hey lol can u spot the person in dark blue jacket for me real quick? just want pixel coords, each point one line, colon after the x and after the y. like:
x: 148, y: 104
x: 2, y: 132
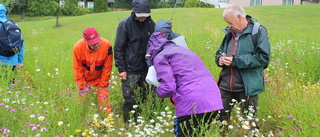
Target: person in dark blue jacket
x: 12, y: 62
x: 130, y: 47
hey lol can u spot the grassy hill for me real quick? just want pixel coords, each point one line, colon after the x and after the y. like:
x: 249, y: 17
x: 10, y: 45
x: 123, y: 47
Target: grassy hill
x: 289, y: 107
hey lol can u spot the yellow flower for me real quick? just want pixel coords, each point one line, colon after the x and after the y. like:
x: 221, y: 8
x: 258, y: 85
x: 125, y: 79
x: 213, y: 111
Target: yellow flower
x: 109, y: 118
x: 97, y: 124
x: 78, y: 130
x: 313, y: 87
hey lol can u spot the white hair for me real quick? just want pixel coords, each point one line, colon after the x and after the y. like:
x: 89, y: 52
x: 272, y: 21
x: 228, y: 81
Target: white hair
x: 235, y: 9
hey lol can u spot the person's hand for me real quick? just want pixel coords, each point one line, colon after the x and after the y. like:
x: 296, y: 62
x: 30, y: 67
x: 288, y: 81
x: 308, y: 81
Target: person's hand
x: 221, y: 61
x: 227, y: 61
x: 105, y: 88
x: 123, y: 75
x: 19, y: 65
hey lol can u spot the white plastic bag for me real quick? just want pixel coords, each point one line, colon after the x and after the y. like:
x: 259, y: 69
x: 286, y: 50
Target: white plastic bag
x: 152, y: 77
x: 180, y: 41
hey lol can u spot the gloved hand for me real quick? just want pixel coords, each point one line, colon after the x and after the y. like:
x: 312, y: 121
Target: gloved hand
x: 106, y: 88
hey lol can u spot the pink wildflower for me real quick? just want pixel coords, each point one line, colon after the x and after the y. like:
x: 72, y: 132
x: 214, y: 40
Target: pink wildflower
x: 32, y: 125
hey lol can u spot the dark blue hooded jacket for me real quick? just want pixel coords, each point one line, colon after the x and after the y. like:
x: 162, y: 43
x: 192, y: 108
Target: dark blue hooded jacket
x: 132, y: 40
x: 17, y: 58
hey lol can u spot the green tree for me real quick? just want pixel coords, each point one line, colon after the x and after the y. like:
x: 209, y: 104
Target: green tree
x: 127, y: 4
x: 100, y: 6
x: 10, y: 4
x: 197, y: 4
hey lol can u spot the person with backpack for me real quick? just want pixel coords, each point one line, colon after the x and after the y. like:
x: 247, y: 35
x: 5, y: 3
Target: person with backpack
x: 11, y: 46
x: 242, y: 61
x: 184, y: 79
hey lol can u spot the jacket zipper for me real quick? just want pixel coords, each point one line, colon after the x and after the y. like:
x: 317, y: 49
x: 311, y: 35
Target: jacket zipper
x: 233, y: 54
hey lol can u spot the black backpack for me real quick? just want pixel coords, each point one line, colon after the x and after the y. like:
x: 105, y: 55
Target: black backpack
x: 10, y: 38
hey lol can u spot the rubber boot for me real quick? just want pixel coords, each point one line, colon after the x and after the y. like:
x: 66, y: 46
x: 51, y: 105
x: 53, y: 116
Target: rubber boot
x: 126, y: 116
x: 104, y: 101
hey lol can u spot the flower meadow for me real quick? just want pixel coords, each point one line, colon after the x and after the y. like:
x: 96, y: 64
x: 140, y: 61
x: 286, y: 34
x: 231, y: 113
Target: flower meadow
x: 44, y: 100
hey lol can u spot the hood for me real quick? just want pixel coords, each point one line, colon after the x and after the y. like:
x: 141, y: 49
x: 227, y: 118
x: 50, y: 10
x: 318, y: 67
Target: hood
x: 165, y: 26
x: 250, y: 19
x: 3, y: 12
x: 140, y: 6
x: 156, y: 43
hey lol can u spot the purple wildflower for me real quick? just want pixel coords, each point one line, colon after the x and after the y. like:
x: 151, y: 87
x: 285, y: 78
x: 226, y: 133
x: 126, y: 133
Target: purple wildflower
x: 289, y: 116
x: 12, y: 85
x: 34, y: 128
x: 32, y: 125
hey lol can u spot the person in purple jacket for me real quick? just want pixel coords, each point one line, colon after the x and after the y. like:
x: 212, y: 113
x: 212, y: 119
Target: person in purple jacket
x: 184, y: 79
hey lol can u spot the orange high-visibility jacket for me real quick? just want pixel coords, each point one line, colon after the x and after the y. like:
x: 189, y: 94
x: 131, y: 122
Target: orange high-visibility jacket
x: 92, y: 67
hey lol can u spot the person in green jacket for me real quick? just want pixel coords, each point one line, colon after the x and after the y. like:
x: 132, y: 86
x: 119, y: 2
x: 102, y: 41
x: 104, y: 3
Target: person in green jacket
x: 242, y: 62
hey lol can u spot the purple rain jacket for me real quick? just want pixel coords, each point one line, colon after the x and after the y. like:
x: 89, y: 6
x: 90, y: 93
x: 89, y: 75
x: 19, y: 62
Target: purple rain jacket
x: 183, y: 77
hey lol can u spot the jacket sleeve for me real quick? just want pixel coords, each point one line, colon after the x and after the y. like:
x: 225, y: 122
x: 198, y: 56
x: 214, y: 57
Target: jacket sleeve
x: 260, y: 58
x: 166, y: 78
x: 120, y: 46
x: 107, y: 68
x: 78, y: 69
x: 219, y: 52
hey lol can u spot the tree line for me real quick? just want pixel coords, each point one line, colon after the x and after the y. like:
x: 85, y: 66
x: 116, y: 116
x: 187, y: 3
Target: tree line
x: 35, y: 8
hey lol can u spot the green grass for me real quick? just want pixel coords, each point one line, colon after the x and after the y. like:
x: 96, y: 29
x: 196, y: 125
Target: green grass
x: 45, y: 86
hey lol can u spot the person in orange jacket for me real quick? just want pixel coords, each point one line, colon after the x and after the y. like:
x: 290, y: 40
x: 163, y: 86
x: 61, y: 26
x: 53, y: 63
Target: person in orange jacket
x: 92, y: 65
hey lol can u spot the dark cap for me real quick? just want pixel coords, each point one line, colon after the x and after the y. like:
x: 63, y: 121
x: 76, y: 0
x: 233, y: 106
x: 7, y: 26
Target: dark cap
x: 140, y: 6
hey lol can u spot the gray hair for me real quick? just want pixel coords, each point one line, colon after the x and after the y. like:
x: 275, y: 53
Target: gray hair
x: 235, y: 9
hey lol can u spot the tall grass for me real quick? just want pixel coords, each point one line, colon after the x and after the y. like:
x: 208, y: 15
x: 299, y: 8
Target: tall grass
x: 44, y: 100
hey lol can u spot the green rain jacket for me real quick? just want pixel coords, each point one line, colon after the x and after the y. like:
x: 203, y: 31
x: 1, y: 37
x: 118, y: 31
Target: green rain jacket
x: 251, y: 60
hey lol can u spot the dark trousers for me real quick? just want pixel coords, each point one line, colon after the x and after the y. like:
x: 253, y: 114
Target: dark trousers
x: 193, y: 125
x: 134, y: 92
x: 227, y: 97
